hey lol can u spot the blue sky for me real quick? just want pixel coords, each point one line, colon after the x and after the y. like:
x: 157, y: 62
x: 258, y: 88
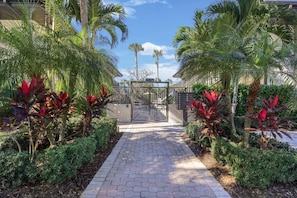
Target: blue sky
x: 153, y: 24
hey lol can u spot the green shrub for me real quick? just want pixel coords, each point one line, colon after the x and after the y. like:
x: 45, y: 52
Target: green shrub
x: 255, y: 168
x: 15, y: 169
x: 55, y: 164
x: 193, y: 131
x: 104, y: 129
x: 7, y: 142
x: 61, y: 162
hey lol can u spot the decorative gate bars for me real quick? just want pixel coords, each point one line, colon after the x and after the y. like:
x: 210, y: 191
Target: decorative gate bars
x: 149, y: 101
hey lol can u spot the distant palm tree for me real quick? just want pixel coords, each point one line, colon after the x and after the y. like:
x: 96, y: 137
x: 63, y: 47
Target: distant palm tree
x: 156, y: 55
x: 136, y: 47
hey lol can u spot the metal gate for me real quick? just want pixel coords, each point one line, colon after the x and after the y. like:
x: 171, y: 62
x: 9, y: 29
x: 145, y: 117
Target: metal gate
x: 149, y: 101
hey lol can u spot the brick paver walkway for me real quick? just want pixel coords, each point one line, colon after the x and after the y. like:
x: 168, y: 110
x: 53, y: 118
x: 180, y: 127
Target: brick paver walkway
x: 152, y: 160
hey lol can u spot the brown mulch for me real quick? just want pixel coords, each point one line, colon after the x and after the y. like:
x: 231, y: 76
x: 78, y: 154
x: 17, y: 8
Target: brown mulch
x: 74, y: 187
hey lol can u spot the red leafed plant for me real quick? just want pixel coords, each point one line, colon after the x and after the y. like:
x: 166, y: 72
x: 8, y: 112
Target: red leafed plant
x: 59, y: 110
x: 210, y: 110
x: 29, y: 107
x: 36, y: 109
x: 268, y: 122
x: 94, y: 108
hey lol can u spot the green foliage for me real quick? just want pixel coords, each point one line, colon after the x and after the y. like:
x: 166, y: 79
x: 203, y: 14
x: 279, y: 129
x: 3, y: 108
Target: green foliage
x: 199, y: 89
x: 268, y: 121
x: 56, y: 164
x: 62, y: 162
x: 193, y: 130
x: 15, y: 169
x: 5, y: 106
x: 255, y: 168
x: 243, y: 91
x: 104, y: 129
x: 210, y: 110
x: 285, y: 92
x: 8, y: 142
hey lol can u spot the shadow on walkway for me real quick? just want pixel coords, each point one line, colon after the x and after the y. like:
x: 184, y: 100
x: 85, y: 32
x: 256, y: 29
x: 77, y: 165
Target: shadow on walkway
x: 152, y: 160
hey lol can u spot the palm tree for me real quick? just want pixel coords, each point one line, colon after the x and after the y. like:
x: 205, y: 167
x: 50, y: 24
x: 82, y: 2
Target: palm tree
x: 239, y: 9
x: 202, y: 52
x: 136, y: 47
x: 25, y: 50
x: 84, y: 19
x: 157, y: 54
x: 101, y: 16
x: 243, y: 12
x: 106, y: 17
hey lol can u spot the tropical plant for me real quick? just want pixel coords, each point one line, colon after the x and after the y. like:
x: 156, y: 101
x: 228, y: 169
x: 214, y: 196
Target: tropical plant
x: 59, y: 108
x: 29, y: 107
x: 268, y: 122
x: 25, y: 50
x: 210, y: 110
x: 136, y: 47
x: 202, y: 52
x: 250, y: 14
x: 84, y: 20
x: 101, y: 17
x: 92, y: 107
x: 108, y: 17
x: 157, y: 54
x: 39, y: 113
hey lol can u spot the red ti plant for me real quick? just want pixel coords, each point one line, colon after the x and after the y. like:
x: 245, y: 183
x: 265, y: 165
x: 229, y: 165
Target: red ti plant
x: 268, y: 122
x: 94, y: 108
x: 210, y: 110
x: 30, y: 107
x: 59, y: 107
x: 37, y: 109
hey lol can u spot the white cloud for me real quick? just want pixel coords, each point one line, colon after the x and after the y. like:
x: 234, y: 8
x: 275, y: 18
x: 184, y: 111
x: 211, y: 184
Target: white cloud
x: 130, y: 12
x: 166, y: 70
x: 169, y: 56
x: 150, y: 47
x: 141, y: 2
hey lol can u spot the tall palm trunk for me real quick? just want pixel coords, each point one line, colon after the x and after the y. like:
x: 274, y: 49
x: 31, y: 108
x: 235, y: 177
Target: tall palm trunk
x: 84, y: 19
x: 226, y: 81
x: 136, y: 65
x: 233, y: 106
x: 254, y: 90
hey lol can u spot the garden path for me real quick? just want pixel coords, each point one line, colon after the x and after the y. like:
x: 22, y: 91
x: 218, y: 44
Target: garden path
x: 152, y: 160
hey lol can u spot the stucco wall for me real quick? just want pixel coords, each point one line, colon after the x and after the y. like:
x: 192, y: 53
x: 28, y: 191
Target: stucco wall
x: 174, y: 115
x: 122, y: 112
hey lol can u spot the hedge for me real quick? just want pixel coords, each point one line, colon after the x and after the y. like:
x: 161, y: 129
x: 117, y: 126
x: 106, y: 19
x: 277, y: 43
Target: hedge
x: 253, y: 167
x: 104, y: 129
x: 15, y: 169
x: 62, y: 162
x: 56, y: 164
